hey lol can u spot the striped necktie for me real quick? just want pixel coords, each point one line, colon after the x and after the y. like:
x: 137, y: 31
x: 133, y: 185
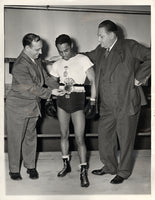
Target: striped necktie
x: 106, y: 52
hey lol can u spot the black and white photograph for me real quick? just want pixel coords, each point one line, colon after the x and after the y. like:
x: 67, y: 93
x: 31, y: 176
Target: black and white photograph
x: 76, y: 100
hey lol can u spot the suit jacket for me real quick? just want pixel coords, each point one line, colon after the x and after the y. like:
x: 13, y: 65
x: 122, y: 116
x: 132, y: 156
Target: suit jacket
x: 27, y: 87
x: 128, y: 60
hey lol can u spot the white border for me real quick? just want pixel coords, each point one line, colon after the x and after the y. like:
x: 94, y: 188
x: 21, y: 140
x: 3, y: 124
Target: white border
x: 73, y: 2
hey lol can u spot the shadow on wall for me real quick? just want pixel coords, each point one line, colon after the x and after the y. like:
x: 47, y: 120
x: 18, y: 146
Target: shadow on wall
x: 45, y: 49
x: 75, y: 46
x: 120, y: 32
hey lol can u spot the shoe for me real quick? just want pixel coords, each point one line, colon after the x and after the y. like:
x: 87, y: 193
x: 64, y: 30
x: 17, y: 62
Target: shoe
x: 84, y: 176
x: 33, y: 174
x: 99, y: 171
x: 117, y: 180
x: 66, y: 169
x: 15, y: 176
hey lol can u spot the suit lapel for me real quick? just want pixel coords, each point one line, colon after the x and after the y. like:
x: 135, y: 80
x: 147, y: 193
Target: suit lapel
x: 115, y: 57
x: 99, y: 66
x: 40, y: 71
x: 34, y: 68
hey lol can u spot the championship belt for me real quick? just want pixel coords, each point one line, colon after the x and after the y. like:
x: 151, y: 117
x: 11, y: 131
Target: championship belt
x: 68, y: 87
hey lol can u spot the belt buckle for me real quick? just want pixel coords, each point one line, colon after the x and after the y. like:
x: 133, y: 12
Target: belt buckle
x: 68, y: 89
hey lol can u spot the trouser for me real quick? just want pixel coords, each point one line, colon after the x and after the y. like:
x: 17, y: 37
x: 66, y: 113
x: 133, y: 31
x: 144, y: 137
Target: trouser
x: 22, y: 140
x: 122, y: 127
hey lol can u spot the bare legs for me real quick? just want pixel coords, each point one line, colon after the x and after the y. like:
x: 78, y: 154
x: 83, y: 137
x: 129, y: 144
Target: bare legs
x: 78, y: 120
x: 64, y: 119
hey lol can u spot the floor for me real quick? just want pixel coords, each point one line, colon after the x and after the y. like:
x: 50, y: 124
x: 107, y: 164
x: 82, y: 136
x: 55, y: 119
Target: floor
x: 49, y: 163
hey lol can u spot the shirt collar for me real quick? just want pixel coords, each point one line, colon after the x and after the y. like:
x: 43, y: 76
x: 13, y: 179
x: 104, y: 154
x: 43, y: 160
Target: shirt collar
x: 32, y: 60
x: 112, y: 45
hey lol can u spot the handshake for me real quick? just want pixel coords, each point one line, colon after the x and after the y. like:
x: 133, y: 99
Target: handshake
x: 58, y: 92
x: 90, y: 109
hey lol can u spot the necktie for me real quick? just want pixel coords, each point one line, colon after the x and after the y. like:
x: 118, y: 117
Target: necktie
x: 106, y: 53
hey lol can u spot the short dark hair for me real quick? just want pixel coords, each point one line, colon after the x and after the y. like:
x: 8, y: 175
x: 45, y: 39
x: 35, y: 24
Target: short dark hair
x: 109, y: 25
x: 28, y: 38
x: 63, y: 38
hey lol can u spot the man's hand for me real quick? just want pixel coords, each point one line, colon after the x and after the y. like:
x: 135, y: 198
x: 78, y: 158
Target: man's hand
x: 137, y: 83
x: 54, y: 58
x: 58, y: 92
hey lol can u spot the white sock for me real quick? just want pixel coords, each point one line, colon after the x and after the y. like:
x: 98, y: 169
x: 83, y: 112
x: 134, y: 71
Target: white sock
x: 82, y: 164
x: 66, y: 156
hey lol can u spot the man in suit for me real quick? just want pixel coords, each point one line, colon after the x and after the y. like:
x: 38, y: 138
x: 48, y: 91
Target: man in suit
x: 23, y: 106
x: 121, y: 67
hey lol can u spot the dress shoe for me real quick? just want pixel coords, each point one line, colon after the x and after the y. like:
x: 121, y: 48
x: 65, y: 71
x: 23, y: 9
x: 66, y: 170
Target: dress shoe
x: 15, y: 176
x: 117, y: 180
x: 99, y: 171
x: 33, y: 174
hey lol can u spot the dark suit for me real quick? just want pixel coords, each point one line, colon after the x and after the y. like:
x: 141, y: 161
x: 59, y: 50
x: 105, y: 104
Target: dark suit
x: 23, y: 109
x: 120, y: 100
